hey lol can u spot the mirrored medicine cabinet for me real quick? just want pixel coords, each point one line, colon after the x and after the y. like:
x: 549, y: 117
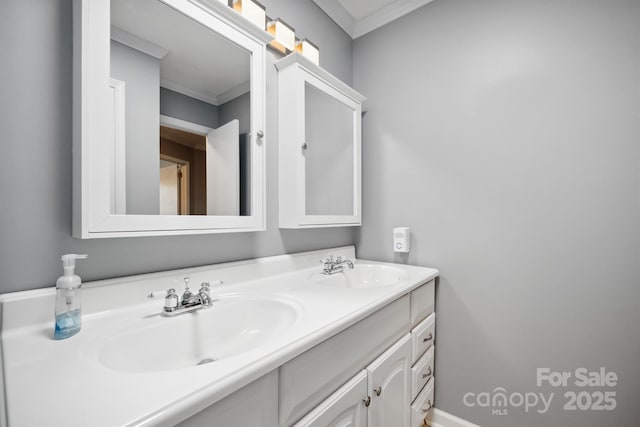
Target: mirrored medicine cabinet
x: 169, y: 114
x: 320, y: 120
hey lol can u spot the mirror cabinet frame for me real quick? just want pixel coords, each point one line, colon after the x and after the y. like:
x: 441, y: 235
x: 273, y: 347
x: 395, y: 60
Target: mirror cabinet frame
x: 93, y: 129
x: 294, y: 73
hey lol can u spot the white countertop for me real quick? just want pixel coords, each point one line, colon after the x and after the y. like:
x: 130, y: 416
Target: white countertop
x: 49, y: 382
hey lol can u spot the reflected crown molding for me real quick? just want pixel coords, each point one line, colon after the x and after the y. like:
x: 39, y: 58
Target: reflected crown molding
x: 216, y: 100
x: 234, y: 92
x: 137, y: 43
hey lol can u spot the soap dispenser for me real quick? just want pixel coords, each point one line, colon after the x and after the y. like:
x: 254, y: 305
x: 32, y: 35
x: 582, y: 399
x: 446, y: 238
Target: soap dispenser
x: 68, y: 301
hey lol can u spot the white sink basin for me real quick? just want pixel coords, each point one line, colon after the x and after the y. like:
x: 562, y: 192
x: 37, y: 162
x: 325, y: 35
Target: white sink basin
x: 362, y: 276
x: 231, y: 327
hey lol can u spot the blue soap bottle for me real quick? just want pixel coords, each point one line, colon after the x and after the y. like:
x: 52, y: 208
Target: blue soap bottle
x: 68, y: 299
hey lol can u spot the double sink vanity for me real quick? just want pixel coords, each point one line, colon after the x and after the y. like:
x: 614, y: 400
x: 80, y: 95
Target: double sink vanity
x: 282, y: 344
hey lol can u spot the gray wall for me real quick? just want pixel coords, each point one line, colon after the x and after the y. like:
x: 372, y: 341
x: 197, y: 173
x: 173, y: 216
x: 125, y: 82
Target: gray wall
x: 183, y: 107
x: 35, y: 180
x: 237, y: 108
x: 141, y: 74
x: 506, y: 135
x: 312, y: 23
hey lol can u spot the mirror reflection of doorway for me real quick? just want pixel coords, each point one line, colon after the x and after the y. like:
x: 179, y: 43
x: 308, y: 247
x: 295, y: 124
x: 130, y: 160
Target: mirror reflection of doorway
x: 188, y: 150
x: 174, y: 186
x: 217, y: 168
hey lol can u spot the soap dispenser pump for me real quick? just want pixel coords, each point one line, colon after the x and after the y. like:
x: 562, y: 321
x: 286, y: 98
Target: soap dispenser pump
x: 68, y: 299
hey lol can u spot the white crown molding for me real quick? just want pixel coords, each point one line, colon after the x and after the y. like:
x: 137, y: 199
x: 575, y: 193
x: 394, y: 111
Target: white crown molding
x: 234, y: 92
x: 358, y: 28
x: 387, y: 14
x: 138, y: 43
x: 339, y: 14
x: 218, y: 100
x: 177, y: 87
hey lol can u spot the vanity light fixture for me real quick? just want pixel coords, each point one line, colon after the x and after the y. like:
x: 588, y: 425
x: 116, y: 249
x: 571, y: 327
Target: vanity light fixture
x: 252, y: 10
x: 309, y: 50
x: 284, y: 36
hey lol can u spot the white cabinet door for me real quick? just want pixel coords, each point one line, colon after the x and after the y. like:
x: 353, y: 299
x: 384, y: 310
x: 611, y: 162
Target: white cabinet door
x: 344, y: 408
x: 320, y: 142
x: 389, y: 386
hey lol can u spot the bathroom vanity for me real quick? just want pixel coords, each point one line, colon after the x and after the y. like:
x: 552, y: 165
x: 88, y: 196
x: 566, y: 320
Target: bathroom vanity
x: 282, y: 345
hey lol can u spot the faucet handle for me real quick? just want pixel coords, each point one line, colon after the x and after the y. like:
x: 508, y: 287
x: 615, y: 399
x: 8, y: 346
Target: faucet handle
x: 205, y: 292
x: 205, y: 287
x: 171, y: 301
x: 187, y: 294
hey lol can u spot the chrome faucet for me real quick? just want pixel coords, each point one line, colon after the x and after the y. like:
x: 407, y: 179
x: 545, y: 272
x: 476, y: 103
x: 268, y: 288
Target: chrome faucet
x: 174, y: 305
x: 333, y: 265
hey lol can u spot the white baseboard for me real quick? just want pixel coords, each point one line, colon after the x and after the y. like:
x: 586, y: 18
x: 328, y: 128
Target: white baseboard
x: 440, y: 418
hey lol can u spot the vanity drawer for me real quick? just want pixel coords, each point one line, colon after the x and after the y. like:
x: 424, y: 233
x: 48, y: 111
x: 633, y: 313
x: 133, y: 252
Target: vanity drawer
x: 314, y: 375
x: 421, y: 372
x: 422, y: 302
x: 422, y: 405
x: 423, y: 336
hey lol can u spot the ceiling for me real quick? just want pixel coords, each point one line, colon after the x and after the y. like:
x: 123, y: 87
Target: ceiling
x: 358, y: 17
x: 194, y: 60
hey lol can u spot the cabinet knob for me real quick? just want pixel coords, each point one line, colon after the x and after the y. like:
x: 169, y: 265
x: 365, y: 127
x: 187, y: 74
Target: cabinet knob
x: 367, y: 401
x: 428, y: 408
x: 427, y: 374
x: 428, y: 338
x: 260, y: 134
x: 378, y: 390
